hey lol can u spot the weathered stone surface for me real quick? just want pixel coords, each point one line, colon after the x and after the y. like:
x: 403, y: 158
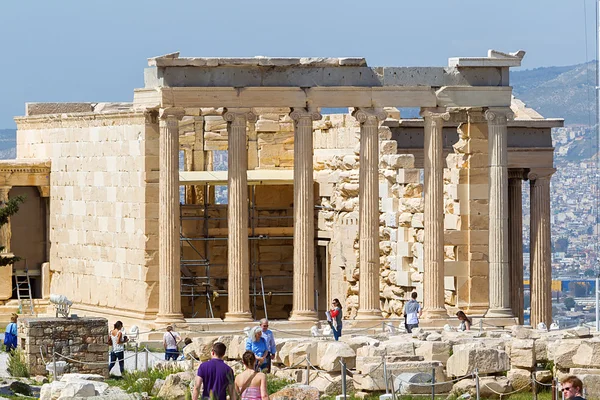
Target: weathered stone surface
x: 588, y: 354
x: 564, y: 352
x: 296, y: 392
x: 200, y: 348
x: 434, y: 351
x: 488, y: 361
x: 176, y: 385
x: 519, y: 378
x: 296, y: 352
x: 330, y: 357
x: 521, y: 353
x: 491, y: 386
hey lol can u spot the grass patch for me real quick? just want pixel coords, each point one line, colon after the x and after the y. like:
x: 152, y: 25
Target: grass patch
x: 142, y: 381
x: 16, y: 365
x: 275, y: 384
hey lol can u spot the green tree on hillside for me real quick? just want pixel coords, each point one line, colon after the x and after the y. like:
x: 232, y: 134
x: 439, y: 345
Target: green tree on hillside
x: 11, y: 207
x: 569, y: 303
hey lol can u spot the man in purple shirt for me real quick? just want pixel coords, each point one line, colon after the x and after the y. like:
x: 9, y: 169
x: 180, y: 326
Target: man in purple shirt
x: 215, y: 376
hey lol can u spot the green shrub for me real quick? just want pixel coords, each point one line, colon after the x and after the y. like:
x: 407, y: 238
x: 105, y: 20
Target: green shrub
x: 17, y: 365
x: 275, y: 384
x: 143, y: 381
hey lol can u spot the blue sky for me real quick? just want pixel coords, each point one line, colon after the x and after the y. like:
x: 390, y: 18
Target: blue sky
x: 74, y: 50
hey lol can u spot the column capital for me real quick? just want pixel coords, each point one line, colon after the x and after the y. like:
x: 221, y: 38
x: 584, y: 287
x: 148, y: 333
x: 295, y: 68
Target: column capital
x: 535, y: 174
x: 369, y: 114
x: 498, y: 115
x: 516, y: 173
x: 232, y: 114
x: 435, y: 112
x: 298, y: 113
x: 171, y: 113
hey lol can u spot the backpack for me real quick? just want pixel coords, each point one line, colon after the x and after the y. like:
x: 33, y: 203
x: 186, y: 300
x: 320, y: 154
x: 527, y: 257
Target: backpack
x: 10, y: 336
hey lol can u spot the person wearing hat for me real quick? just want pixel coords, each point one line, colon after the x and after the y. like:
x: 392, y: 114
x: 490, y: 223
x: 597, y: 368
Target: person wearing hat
x: 170, y: 341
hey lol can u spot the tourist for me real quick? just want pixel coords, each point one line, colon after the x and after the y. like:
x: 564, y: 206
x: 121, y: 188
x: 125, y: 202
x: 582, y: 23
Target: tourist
x: 465, y: 322
x: 186, y: 342
x: 258, y: 345
x: 572, y: 388
x: 251, y: 385
x: 117, y: 340
x: 171, y: 340
x: 268, y: 335
x: 335, y: 322
x: 412, y: 312
x: 10, y: 334
x: 215, y: 377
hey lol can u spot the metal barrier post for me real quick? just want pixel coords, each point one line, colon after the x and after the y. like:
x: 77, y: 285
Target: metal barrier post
x: 136, y: 356
x: 433, y: 384
x: 533, y: 386
x: 385, y: 375
x: 307, y: 380
x: 343, y: 378
x: 554, y: 396
x: 54, y: 364
x: 146, y: 357
x: 477, y: 384
x: 480, y: 325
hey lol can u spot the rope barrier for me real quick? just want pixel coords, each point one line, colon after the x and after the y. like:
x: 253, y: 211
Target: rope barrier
x: 87, y: 362
x: 540, y: 383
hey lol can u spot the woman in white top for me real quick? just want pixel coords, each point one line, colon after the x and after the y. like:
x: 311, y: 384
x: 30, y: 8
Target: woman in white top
x: 117, y: 341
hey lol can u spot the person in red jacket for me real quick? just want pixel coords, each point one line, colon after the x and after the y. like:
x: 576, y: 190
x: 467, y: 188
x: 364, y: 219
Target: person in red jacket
x: 336, y: 316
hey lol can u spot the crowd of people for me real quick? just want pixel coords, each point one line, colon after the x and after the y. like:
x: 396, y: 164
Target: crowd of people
x: 216, y: 380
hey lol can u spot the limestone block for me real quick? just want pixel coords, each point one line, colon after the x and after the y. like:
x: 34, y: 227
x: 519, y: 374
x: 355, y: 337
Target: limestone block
x: 521, y: 353
x: 452, y: 222
x: 388, y: 147
x: 200, y: 348
x: 545, y: 376
x: 454, y: 160
x: 296, y: 391
x: 330, y: 355
x: 519, y: 378
x: 434, y: 351
x: 407, y: 175
x: 6, y: 282
x: 405, y: 219
x: 176, y: 385
x: 588, y: 354
x: 488, y: 361
x: 564, y: 352
x: 295, y: 352
x: 490, y: 386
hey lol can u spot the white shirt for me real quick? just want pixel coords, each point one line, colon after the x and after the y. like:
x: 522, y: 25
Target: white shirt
x: 170, y: 339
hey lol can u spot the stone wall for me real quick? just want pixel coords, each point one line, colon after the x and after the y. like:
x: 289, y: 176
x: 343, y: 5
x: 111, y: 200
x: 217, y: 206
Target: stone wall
x: 80, y: 339
x: 104, y: 206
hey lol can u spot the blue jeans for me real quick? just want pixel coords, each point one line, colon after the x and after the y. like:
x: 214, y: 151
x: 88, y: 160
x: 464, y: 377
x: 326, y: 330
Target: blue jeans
x: 114, y: 356
x: 410, y: 327
x: 171, y: 354
x: 336, y: 332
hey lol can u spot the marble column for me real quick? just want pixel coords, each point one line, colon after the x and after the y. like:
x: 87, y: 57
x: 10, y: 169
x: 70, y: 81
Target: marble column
x: 515, y: 240
x: 433, y: 246
x: 238, y: 269
x: 540, y: 247
x: 5, y: 230
x: 499, y: 267
x: 368, y: 203
x: 304, y: 308
x: 169, y: 301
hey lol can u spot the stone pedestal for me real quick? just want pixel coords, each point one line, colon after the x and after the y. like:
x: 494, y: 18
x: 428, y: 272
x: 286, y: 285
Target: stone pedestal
x: 304, y: 307
x: 433, y: 277
x: 499, y: 274
x: 368, y: 199
x: 238, y: 282
x: 169, y: 302
x: 541, y: 257
x: 515, y: 239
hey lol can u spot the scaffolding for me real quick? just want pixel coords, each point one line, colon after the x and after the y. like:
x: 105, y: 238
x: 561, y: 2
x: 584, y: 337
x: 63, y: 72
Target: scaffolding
x: 198, y: 281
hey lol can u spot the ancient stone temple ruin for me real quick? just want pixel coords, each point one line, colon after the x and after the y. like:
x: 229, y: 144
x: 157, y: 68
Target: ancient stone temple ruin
x: 228, y: 189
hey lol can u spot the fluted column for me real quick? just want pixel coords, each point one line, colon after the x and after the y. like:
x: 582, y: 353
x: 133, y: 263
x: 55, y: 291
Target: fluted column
x: 515, y: 240
x: 238, y: 280
x: 304, y: 216
x: 169, y: 302
x: 540, y: 247
x: 368, y: 203
x: 433, y: 277
x: 499, y: 268
x: 5, y: 230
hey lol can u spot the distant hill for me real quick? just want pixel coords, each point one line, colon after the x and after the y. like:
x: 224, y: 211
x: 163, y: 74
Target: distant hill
x: 559, y: 92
